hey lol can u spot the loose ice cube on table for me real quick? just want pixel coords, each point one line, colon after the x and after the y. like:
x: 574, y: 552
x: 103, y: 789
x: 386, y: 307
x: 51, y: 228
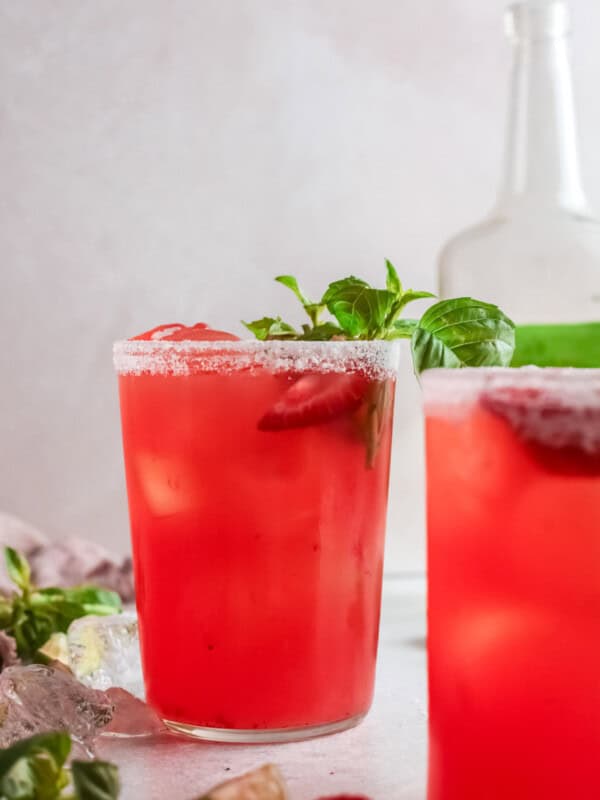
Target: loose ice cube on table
x: 39, y: 699
x: 105, y: 652
x: 132, y: 717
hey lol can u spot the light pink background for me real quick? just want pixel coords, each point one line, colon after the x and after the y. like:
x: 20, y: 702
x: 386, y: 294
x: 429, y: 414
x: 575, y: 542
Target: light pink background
x: 161, y: 161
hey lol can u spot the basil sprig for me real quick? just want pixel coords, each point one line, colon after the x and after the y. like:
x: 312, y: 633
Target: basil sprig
x: 461, y: 332
x: 32, y: 615
x: 34, y: 769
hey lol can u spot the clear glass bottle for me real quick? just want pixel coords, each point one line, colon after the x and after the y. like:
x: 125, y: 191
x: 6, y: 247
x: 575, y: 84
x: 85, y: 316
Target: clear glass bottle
x: 538, y: 254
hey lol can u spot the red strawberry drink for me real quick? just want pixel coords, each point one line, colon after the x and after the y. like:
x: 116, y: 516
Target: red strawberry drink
x: 513, y: 470
x: 257, y: 475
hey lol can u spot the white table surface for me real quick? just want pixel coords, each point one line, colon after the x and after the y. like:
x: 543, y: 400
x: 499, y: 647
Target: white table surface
x: 383, y: 758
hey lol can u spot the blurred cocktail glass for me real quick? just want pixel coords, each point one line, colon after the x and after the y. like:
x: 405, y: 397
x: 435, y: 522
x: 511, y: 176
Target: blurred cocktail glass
x: 513, y: 486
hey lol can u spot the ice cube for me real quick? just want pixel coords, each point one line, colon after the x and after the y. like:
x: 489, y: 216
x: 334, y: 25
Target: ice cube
x: 105, y: 652
x: 39, y: 699
x: 132, y: 717
x: 171, y: 485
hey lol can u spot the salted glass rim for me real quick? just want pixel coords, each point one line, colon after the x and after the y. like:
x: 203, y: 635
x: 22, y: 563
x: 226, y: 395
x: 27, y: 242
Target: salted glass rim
x: 378, y: 357
x: 443, y: 386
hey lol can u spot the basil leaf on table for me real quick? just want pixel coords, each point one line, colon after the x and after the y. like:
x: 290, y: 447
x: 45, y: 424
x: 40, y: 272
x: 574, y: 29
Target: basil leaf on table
x: 95, y: 780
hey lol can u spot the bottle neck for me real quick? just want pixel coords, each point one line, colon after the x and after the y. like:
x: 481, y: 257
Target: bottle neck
x: 541, y: 160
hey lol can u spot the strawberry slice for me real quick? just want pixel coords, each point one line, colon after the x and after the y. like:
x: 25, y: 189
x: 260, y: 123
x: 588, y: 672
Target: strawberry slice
x: 346, y: 797
x: 176, y: 332
x: 563, y: 437
x: 314, y: 399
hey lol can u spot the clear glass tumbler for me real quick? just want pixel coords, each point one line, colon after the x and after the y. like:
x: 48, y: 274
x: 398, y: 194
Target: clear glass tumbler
x: 257, y: 477
x: 513, y: 488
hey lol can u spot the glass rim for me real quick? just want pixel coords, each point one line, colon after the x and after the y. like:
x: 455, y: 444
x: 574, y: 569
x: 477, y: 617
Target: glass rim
x: 519, y: 374
x: 451, y: 387
x: 147, y: 356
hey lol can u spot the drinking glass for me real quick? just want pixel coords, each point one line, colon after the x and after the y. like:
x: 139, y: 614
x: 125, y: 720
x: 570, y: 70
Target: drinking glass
x: 513, y: 493
x: 257, y: 478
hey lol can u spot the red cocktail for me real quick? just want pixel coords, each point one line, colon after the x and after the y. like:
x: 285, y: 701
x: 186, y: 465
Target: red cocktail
x: 257, y: 475
x: 513, y: 471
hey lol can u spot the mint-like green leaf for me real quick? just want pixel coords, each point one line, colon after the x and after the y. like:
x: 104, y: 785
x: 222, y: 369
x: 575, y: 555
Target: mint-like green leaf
x: 393, y: 283
x: 322, y: 333
x: 18, y: 568
x: 409, y: 296
x: 402, y: 329
x: 271, y: 328
x: 32, y: 629
x: 463, y: 332
x: 57, y: 744
x: 292, y: 283
x: 313, y: 310
x: 94, y: 600
x: 360, y: 310
x: 337, y: 286
x: 95, y: 780
x: 32, y: 769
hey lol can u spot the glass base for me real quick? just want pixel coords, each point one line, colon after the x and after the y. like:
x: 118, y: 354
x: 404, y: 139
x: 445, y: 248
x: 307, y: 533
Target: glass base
x: 260, y: 735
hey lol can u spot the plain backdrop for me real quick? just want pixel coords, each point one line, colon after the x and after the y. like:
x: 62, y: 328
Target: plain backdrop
x: 162, y: 160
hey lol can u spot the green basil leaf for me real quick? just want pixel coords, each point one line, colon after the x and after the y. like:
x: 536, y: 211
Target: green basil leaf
x: 393, y: 283
x: 31, y: 630
x: 55, y: 746
x: 463, y: 332
x: 270, y: 328
x: 6, y: 612
x: 359, y: 309
x: 95, y: 780
x: 409, y: 296
x: 18, y: 568
x: 292, y: 283
x: 35, y: 777
x: 402, y: 329
x: 322, y: 333
x: 94, y: 600
x: 337, y: 286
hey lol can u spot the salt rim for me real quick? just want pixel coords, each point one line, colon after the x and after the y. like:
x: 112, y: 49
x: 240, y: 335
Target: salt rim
x: 377, y: 359
x: 450, y: 388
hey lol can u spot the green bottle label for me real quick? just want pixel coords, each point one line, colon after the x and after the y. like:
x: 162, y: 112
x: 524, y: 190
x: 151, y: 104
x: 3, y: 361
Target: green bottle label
x: 576, y: 345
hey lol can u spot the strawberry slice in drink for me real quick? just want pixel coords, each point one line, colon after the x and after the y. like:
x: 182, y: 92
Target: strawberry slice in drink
x: 314, y: 399
x: 564, y: 436
x: 176, y: 332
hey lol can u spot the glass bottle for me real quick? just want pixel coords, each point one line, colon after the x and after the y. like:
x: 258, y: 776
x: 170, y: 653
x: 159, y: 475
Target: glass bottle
x: 538, y: 254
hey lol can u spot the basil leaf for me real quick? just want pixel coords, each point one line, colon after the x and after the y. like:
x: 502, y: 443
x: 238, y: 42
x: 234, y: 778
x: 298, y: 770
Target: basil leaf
x: 94, y: 600
x: 463, y: 332
x: 322, y: 333
x: 58, y: 745
x: 402, y: 329
x: 30, y: 630
x: 271, y: 328
x: 292, y: 283
x: 360, y: 310
x: 334, y: 288
x: 409, y: 296
x: 32, y: 769
x: 393, y: 283
x: 18, y: 569
x: 35, y: 777
x: 95, y: 780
